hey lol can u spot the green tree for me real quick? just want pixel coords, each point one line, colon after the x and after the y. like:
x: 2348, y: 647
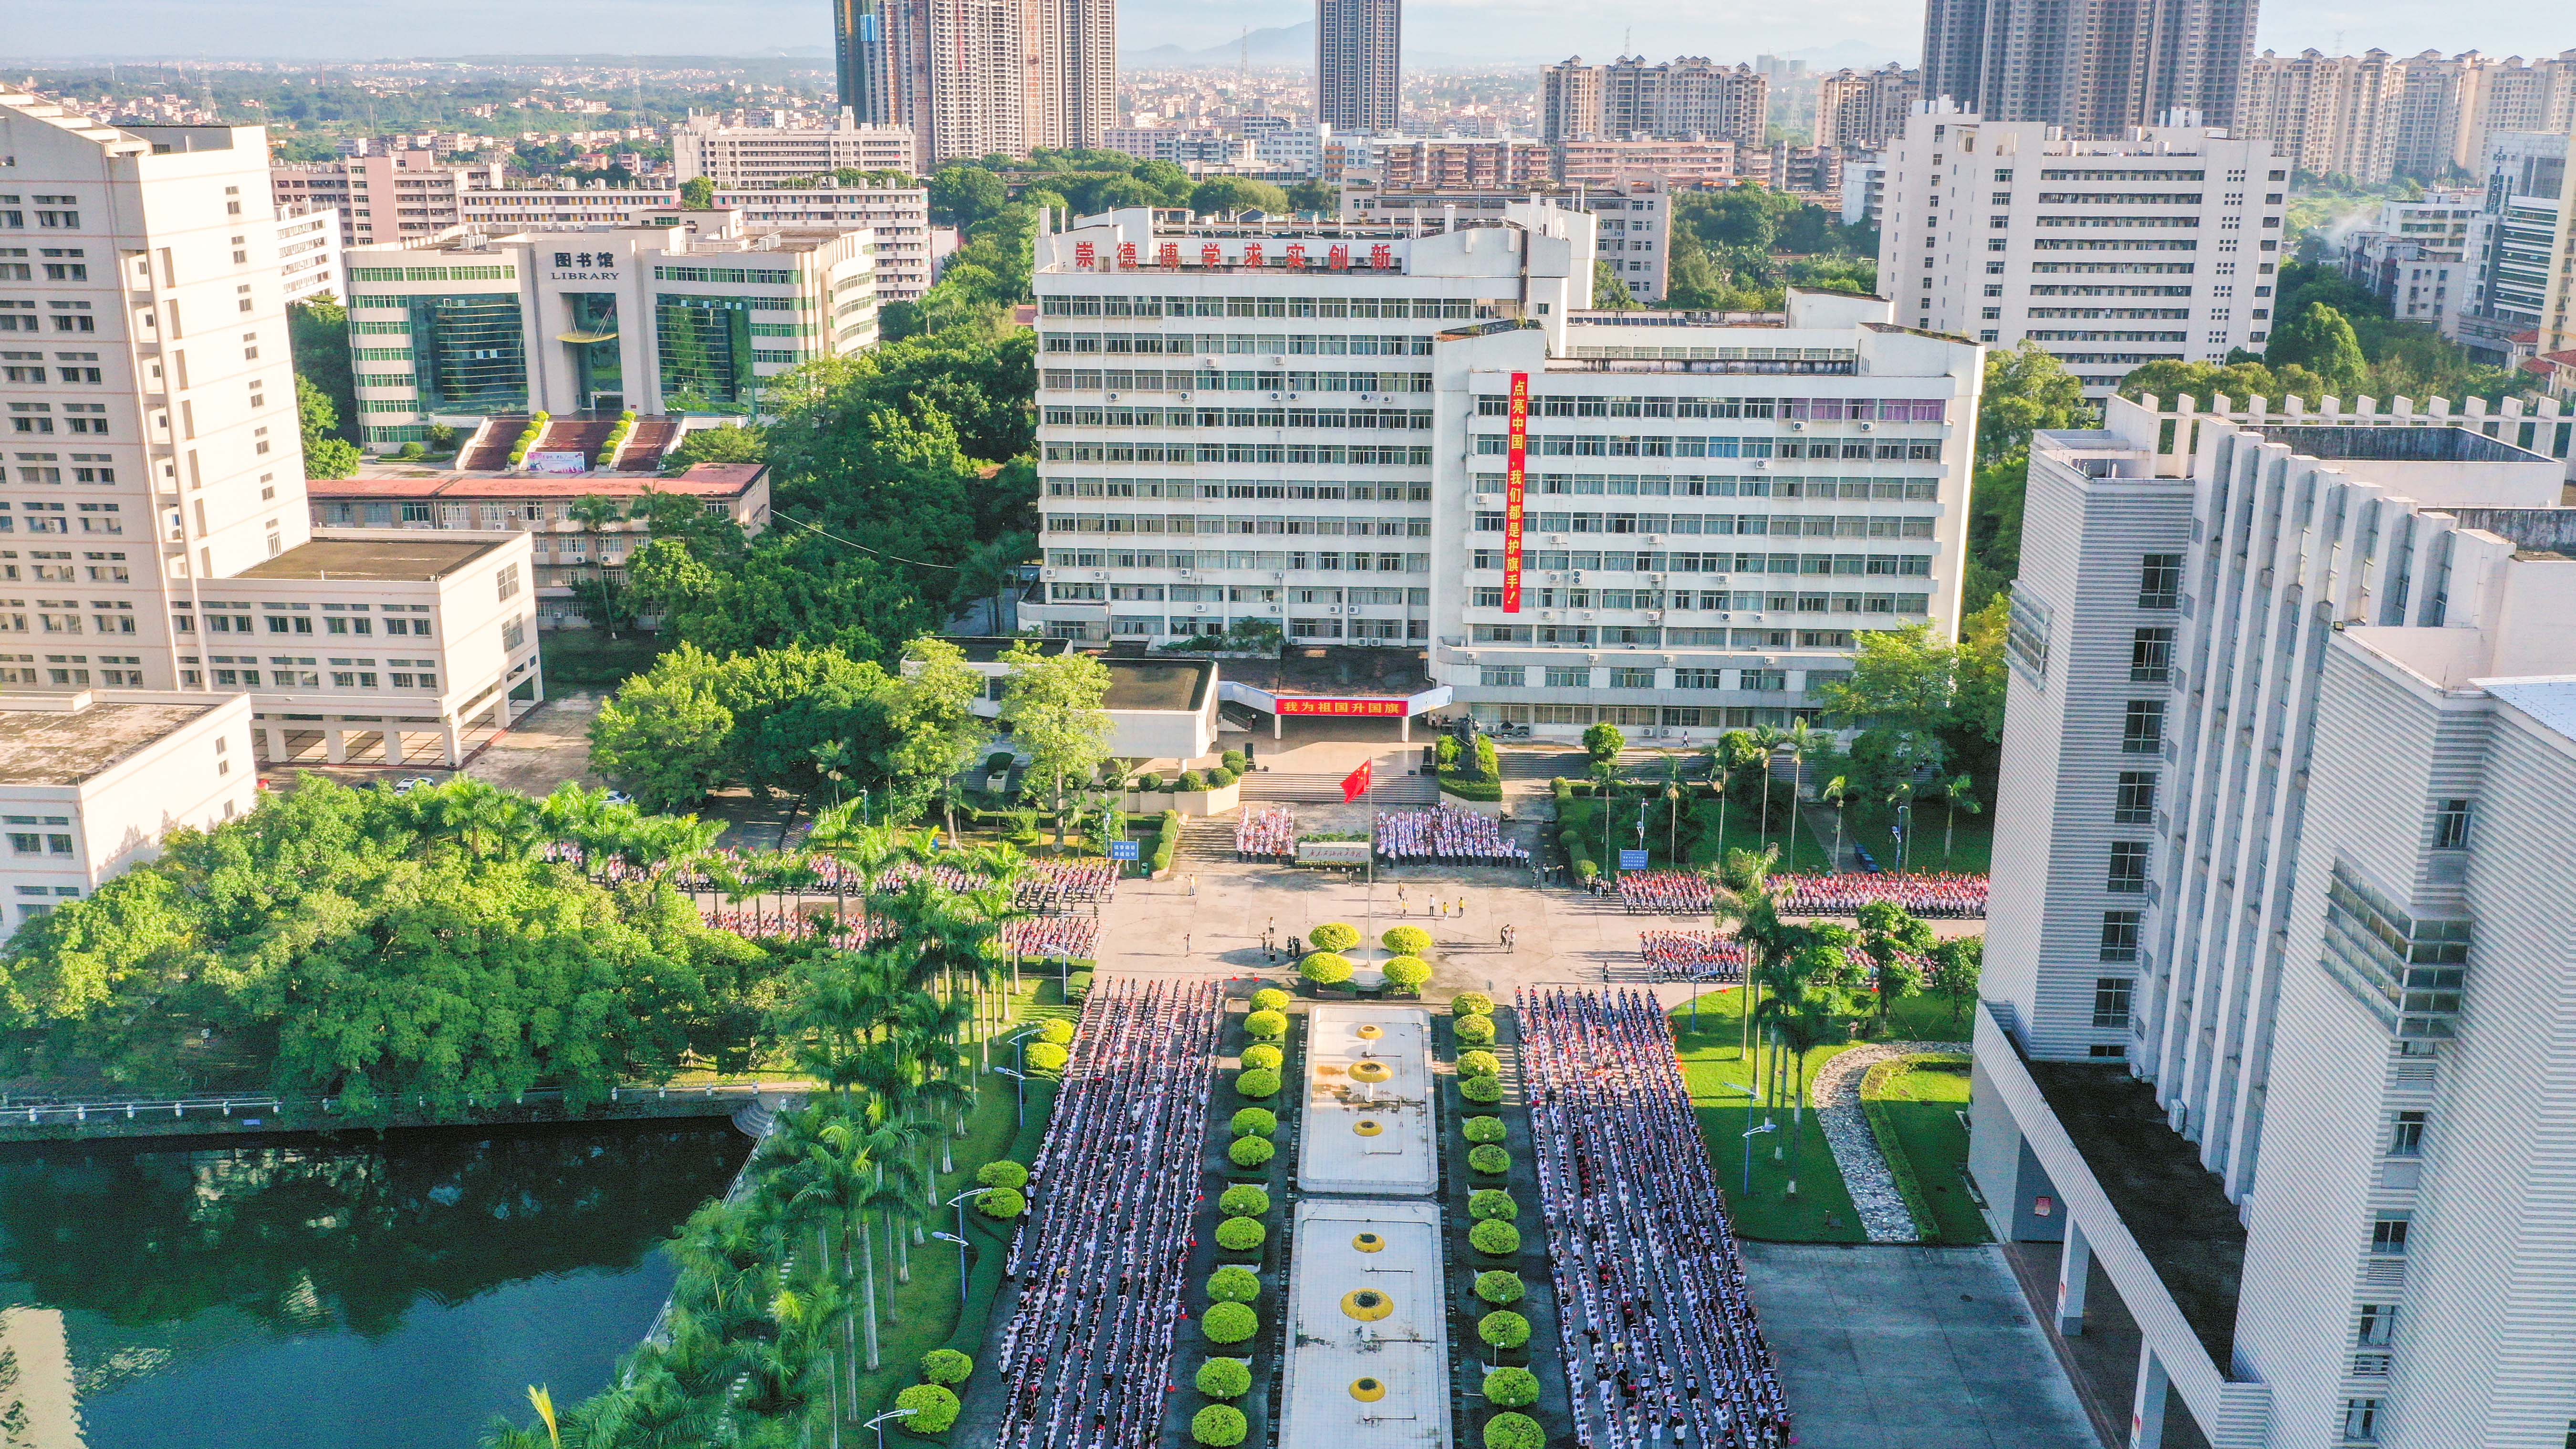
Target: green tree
x: 698, y: 194
x: 1955, y: 965
x: 1220, y: 195
x: 931, y: 717
x: 1609, y: 290
x: 665, y: 737
x: 2026, y: 391
x: 318, y: 333
x: 962, y: 195
x: 1904, y: 686
x: 731, y: 443
x: 2320, y: 338
x: 1054, y: 704
x: 1603, y: 742
x: 326, y: 455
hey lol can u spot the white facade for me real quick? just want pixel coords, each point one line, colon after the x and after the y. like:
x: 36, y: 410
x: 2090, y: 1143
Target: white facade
x: 2109, y: 254
x: 90, y: 783
x: 382, y: 197
x: 1633, y: 221
x: 308, y: 255
x: 154, y: 473
x: 897, y: 219
x: 2286, y: 766
x: 2414, y: 256
x: 737, y: 156
x: 1210, y: 453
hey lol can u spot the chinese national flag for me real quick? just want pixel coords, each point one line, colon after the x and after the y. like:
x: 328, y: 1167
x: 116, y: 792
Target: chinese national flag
x: 1356, y: 783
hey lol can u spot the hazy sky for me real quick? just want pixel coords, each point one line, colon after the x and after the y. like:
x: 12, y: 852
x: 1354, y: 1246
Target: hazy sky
x: 33, y: 30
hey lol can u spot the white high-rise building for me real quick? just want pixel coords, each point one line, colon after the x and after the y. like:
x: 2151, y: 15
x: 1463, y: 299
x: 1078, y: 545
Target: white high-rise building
x: 2285, y: 848
x: 738, y: 156
x: 896, y: 218
x: 1308, y: 424
x: 308, y: 255
x: 153, y: 527
x: 2109, y: 254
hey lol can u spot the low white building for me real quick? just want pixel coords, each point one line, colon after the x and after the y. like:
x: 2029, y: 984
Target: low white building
x: 1632, y: 228
x: 308, y: 255
x: 90, y: 782
x: 1159, y: 708
x: 764, y: 155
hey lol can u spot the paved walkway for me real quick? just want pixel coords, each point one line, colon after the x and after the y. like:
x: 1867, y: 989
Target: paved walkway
x: 1873, y: 1188
x: 1911, y: 1348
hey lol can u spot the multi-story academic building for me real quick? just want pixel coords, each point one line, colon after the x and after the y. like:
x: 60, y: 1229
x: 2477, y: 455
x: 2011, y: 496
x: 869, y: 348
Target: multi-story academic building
x: 2282, y: 895
x: 1311, y: 425
x: 384, y: 196
x: 738, y: 156
x: 897, y: 218
x: 153, y: 528
x: 2109, y: 254
x: 1633, y: 220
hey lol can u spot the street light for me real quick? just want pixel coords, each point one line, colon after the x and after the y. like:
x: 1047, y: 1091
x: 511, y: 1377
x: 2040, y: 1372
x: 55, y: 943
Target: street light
x: 1748, y: 1153
x: 961, y: 1259
x: 959, y: 1202
x: 1022, y: 1078
x: 878, y: 1423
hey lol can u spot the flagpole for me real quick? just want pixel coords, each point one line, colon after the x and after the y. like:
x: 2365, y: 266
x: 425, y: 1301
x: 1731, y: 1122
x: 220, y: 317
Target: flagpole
x: 1370, y: 792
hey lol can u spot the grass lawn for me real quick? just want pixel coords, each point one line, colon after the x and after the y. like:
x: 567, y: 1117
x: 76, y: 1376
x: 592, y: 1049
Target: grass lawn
x: 589, y: 658
x: 1865, y: 823
x: 1923, y: 1103
x: 1743, y: 832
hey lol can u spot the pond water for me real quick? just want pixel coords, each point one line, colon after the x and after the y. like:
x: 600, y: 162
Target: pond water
x: 307, y: 1293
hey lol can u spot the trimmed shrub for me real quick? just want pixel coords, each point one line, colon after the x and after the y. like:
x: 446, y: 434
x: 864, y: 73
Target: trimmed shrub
x: 1513, y: 1431
x: 1407, y: 973
x: 1235, y: 761
x: 1241, y: 1235
x: 1483, y: 1091
x: 1489, y: 1159
x: 1058, y: 1031
x: 1267, y: 1022
x: 1334, y: 936
x: 1492, y: 1204
x: 1002, y: 1172
x: 1003, y: 1203
x: 1406, y: 940
x: 1251, y: 1151
x: 1478, y: 1064
x: 1499, y: 1329
x: 1233, y: 1284
x: 1475, y: 1031
x: 1149, y: 781
x: 1191, y: 782
x: 933, y: 1407
x: 1499, y: 1288
x: 1255, y: 1122
x: 1220, y: 777
x: 1228, y: 1378
x: 1325, y: 968
x: 1485, y: 1129
x: 1269, y: 998
x: 946, y: 1366
x: 1231, y: 1322
x: 1222, y: 1426
x: 1511, y: 1388
x: 1447, y: 751
x: 1243, y: 1200
x: 1498, y: 1238
x: 1265, y: 1057
x: 1046, y: 1056
x: 1257, y: 1084
x: 1471, y: 1003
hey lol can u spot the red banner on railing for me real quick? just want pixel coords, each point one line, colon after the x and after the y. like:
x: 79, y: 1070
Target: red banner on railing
x: 1515, y: 466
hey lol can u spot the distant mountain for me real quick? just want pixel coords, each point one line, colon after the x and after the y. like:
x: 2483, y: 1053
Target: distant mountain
x: 1273, y: 46
x: 1856, y: 54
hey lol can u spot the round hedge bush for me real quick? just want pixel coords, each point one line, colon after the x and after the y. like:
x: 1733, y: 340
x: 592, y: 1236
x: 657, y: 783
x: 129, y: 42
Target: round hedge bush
x: 1492, y: 1204
x: 1251, y: 1151
x: 1499, y: 1288
x: 933, y: 1407
x: 1257, y: 1084
x: 1269, y: 998
x: 1243, y: 1200
x: 1489, y: 1159
x: 1471, y: 1003
x: 1059, y: 1031
x: 1255, y: 1122
x: 1231, y: 1322
x: 1483, y: 1091
x: 1004, y: 1203
x: 1407, y: 973
x: 1325, y: 968
x: 1334, y: 936
x: 1511, y: 1388
x: 1046, y: 1056
x: 1498, y: 1238
x: 946, y: 1366
x: 1512, y: 1431
x: 1240, y: 1235
x: 1475, y: 1031
x: 1479, y: 1064
x: 1263, y: 1056
x: 1501, y: 1328
x: 1267, y: 1022
x: 1002, y: 1172
x: 1222, y: 1426
x: 1406, y: 940
x: 1231, y: 1378
x: 1233, y: 1283
x: 1485, y: 1129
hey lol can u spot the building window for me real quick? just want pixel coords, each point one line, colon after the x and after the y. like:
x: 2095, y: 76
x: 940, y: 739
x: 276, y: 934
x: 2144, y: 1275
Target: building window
x: 2151, y: 656
x: 2110, y: 1002
x: 507, y: 581
x: 1564, y: 678
x: 2160, y: 581
x: 2406, y: 1135
x: 1632, y: 679
x: 2451, y: 825
x: 2142, y: 728
x: 2136, y: 802
x: 2128, y: 866
x: 2119, y: 935
x: 2377, y: 1325
x: 2361, y: 1421
x: 2388, y: 1234
x: 1502, y: 676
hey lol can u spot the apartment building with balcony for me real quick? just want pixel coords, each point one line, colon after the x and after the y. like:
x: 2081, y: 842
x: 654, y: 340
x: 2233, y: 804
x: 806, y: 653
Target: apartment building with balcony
x: 382, y: 197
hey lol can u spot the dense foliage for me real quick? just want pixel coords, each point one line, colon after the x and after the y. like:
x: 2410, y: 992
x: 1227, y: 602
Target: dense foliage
x: 1739, y: 249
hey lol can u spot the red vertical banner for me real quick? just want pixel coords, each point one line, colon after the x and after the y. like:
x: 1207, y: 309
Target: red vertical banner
x: 1515, y: 491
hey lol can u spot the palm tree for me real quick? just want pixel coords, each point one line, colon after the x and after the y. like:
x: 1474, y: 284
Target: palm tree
x: 1956, y: 792
x: 594, y: 513
x: 1798, y: 739
x: 1837, y: 790
x: 1672, y: 809
x: 1605, y: 779
x: 1766, y: 740
x: 1746, y: 901
x: 1896, y: 799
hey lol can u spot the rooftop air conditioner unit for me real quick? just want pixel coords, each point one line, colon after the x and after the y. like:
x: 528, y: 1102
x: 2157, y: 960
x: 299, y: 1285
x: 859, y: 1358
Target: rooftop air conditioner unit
x: 1100, y: 573
x: 1556, y: 538
x: 1198, y: 608
x: 1113, y: 397
x: 1869, y: 427
x: 1654, y: 538
x: 1046, y: 573
x: 1274, y: 397
x: 1797, y: 427
x: 1654, y: 616
x: 1575, y: 577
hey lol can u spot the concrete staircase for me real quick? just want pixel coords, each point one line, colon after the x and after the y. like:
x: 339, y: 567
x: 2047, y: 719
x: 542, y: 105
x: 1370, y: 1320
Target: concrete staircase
x: 1282, y: 787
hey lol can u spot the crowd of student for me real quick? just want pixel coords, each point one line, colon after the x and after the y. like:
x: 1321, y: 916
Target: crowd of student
x: 1659, y: 1332
x: 852, y: 933
x: 1692, y: 955
x: 1102, y: 1258
x: 1923, y: 893
x: 1052, y: 938
x: 1666, y: 892
x: 1266, y: 832
x: 1447, y: 835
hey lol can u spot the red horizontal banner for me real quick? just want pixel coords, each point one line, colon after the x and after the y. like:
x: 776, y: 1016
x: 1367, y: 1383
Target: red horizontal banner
x: 1381, y: 708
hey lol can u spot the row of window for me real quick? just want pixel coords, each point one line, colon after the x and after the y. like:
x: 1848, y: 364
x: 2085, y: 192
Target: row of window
x: 1786, y: 409
x: 1885, y: 450
x: 1485, y: 596
x: 1775, y: 525
x: 1186, y: 380
x: 1361, y: 456
x: 1690, y: 485
x: 1382, y: 419
x: 1269, y: 523
x: 1238, y: 305
x: 312, y: 679
x: 1183, y: 344
x: 1237, y: 488
x: 1582, y: 676
x: 1632, y: 716
x: 355, y: 626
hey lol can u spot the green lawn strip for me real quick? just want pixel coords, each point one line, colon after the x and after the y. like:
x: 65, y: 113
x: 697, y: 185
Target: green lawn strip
x: 1716, y: 1071
x: 589, y: 658
x: 1920, y: 1108
x: 1865, y: 823
x: 1699, y: 848
x: 1900, y: 1167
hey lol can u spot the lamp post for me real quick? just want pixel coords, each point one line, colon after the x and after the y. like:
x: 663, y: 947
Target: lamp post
x: 1748, y: 1152
x: 878, y: 1423
x: 1022, y: 1078
x: 961, y: 1259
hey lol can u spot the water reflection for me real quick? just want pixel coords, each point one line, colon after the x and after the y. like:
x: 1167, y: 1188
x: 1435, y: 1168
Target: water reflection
x: 301, y: 1294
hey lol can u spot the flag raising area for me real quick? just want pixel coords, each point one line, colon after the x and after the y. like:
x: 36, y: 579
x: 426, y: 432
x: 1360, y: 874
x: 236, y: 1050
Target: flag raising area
x: 1356, y: 783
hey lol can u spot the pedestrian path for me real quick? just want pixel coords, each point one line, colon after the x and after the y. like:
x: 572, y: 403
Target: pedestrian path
x: 1882, y: 1208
